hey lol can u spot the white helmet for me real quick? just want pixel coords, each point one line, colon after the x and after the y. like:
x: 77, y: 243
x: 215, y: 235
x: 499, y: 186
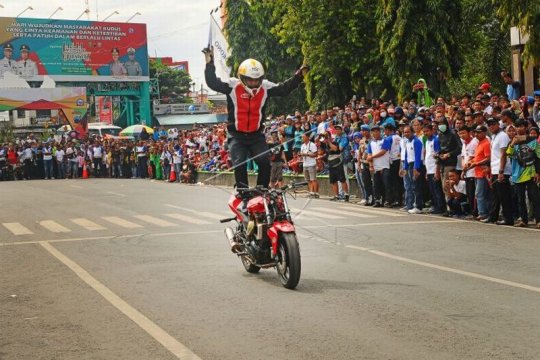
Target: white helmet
x: 251, y: 69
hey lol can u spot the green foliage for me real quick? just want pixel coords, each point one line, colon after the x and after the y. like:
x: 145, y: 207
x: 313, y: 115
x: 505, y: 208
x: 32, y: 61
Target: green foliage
x: 379, y: 48
x: 172, y: 83
x: 525, y: 14
x: 6, y: 133
x: 249, y: 34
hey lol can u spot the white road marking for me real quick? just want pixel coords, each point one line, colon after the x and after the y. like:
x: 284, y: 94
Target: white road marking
x: 446, y: 269
x: 121, y: 222
x: 324, y: 215
x: 53, y: 226
x: 87, y: 224
x: 174, y: 346
x: 205, y: 214
x: 368, y: 210
x: 115, y: 193
x: 341, y: 212
x: 188, y: 219
x: 112, y: 237
x: 154, y: 220
x: 17, y: 229
x: 377, y: 223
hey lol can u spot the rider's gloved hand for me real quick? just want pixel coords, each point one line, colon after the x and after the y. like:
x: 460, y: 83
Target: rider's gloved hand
x: 208, y: 54
x: 303, y: 70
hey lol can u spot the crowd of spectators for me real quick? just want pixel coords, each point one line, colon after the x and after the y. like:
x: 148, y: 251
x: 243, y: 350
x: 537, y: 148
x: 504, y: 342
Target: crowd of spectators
x: 152, y: 156
x: 467, y: 156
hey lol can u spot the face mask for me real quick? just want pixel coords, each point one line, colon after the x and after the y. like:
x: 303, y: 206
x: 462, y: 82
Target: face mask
x: 383, y: 114
x: 442, y: 128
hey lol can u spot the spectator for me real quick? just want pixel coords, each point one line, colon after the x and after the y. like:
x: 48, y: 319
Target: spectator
x: 524, y: 151
x: 457, y: 194
x: 500, y: 175
x: 378, y: 151
x: 412, y: 172
x: 308, y: 151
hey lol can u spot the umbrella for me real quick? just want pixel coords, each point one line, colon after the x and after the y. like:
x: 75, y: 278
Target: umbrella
x: 135, y: 130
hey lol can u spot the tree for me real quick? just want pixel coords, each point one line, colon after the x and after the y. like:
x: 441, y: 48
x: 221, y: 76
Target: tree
x: 173, y: 83
x: 525, y: 14
x: 417, y: 39
x: 248, y: 30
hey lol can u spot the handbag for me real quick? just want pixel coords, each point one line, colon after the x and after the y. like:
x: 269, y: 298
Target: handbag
x: 334, y: 160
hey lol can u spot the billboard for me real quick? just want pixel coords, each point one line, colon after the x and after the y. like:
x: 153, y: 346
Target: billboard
x: 70, y: 50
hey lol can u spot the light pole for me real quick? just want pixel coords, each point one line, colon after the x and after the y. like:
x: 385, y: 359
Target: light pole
x: 55, y: 11
x: 113, y: 13
x: 87, y: 11
x: 22, y: 12
x: 131, y: 18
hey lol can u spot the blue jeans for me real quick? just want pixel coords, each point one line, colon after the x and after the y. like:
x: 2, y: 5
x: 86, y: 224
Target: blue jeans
x: 178, y: 170
x: 74, y: 169
x: 48, y: 166
x: 437, y: 195
x: 167, y: 172
x: 482, y: 197
x: 61, y: 170
x: 413, y: 192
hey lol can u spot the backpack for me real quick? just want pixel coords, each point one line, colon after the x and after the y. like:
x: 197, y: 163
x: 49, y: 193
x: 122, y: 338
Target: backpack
x: 526, y: 155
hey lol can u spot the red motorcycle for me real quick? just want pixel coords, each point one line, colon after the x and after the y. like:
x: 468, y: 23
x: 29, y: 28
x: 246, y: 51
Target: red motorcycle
x: 265, y: 236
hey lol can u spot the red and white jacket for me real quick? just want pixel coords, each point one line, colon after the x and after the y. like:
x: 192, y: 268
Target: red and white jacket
x: 247, y: 110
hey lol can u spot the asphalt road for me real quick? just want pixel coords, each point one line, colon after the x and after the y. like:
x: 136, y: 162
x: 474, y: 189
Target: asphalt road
x: 133, y: 269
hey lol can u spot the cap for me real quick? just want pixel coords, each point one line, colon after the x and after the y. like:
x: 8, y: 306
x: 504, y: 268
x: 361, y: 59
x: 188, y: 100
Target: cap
x: 25, y: 47
x: 484, y: 86
x: 375, y: 127
x: 476, y: 113
x: 480, y: 128
x: 389, y: 126
x: 338, y: 126
x: 131, y: 50
x: 365, y: 127
x: 403, y: 122
x: 8, y: 46
x: 492, y: 121
x: 536, y: 93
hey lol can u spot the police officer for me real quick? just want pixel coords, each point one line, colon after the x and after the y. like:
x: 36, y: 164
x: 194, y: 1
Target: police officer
x: 7, y: 64
x: 132, y: 66
x: 117, y: 68
x: 25, y: 67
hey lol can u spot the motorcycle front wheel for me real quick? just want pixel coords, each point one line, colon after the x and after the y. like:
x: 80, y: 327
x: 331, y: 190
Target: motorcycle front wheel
x: 289, y: 265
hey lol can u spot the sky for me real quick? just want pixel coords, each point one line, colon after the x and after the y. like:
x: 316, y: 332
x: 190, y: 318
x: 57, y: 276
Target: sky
x: 175, y: 28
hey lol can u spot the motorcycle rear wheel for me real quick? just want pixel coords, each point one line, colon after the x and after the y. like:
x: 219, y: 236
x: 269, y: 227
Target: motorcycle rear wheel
x: 289, y: 264
x: 250, y: 268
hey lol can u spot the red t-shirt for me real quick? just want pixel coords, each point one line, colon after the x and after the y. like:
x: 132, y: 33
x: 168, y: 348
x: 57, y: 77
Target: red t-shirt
x: 483, y: 152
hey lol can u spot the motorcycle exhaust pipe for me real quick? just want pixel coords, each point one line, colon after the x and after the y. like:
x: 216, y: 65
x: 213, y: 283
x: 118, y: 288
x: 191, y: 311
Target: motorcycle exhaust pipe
x: 235, y: 246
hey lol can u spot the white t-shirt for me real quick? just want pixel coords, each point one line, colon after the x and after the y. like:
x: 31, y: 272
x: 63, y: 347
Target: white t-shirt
x: 429, y: 157
x: 60, y: 155
x: 499, y: 141
x: 321, y: 128
x: 467, y: 153
x: 97, y: 153
x: 310, y: 147
x: 47, y: 153
x: 461, y: 187
x: 395, y: 150
x: 382, y: 162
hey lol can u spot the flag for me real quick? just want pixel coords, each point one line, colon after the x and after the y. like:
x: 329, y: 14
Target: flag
x: 221, y: 50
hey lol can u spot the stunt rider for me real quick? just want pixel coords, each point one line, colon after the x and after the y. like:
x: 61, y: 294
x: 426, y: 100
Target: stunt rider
x: 246, y: 103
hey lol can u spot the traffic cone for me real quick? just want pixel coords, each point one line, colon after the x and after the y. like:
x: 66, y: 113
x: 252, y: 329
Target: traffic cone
x: 84, y: 172
x: 172, y: 178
